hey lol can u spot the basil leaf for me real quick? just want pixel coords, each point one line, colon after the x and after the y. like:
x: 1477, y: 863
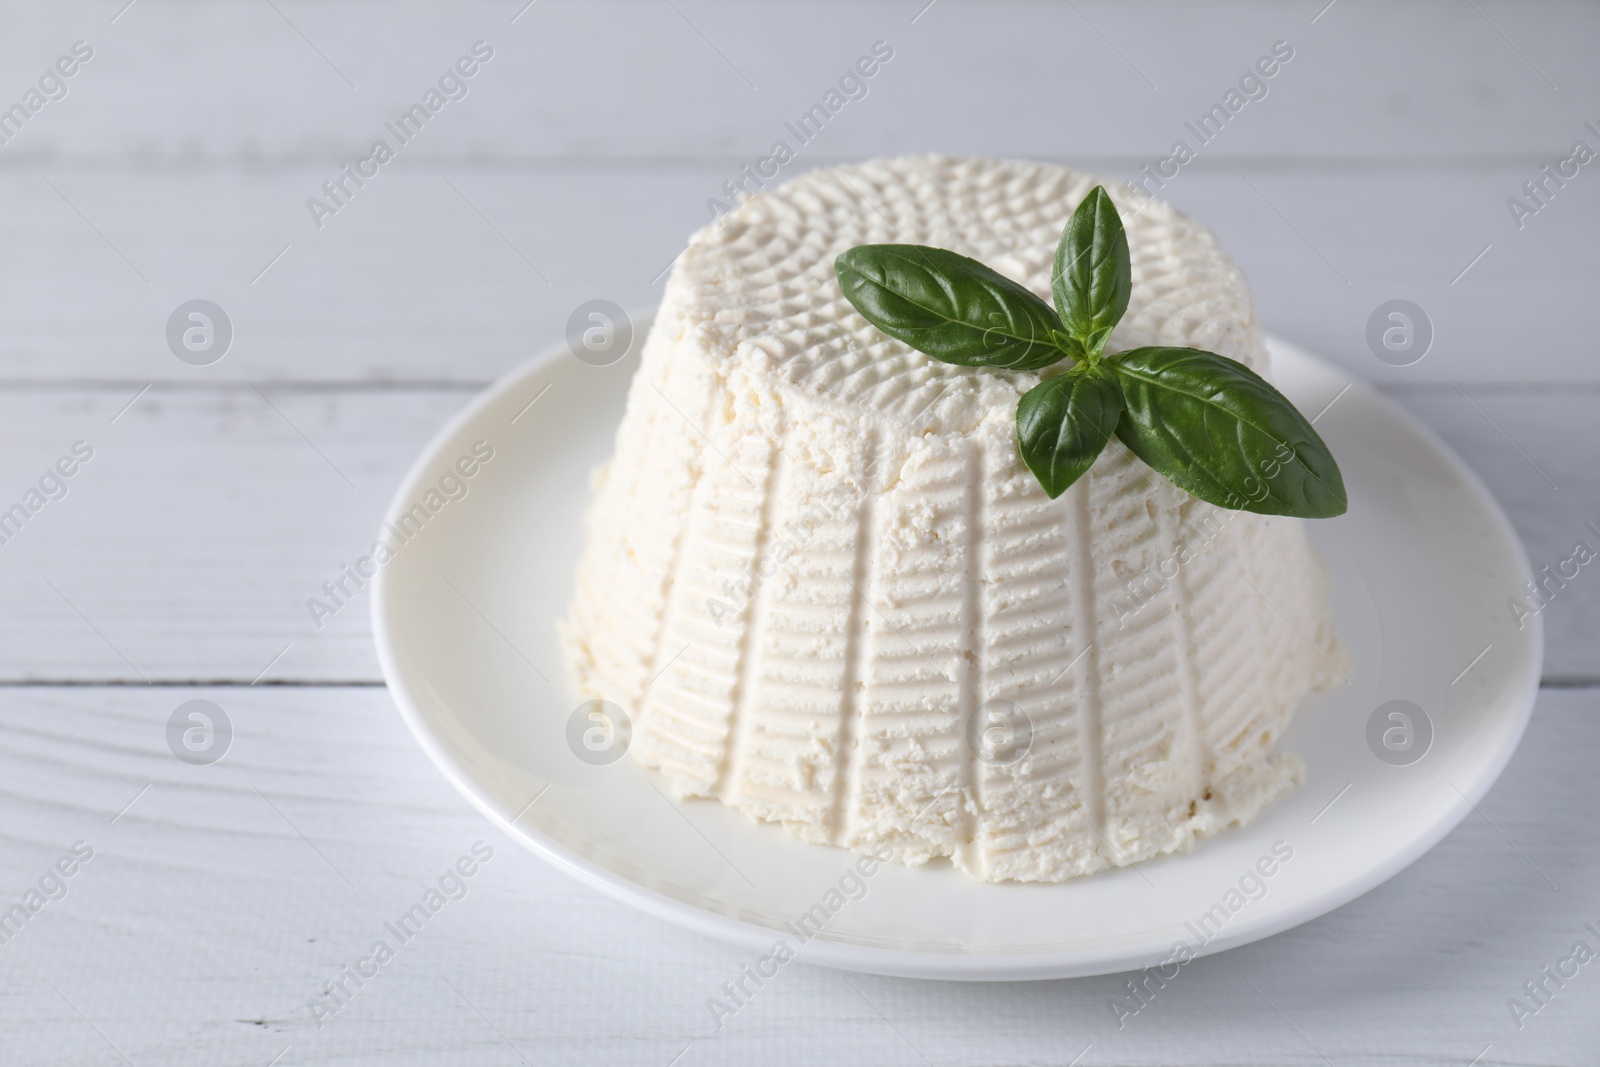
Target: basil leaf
x: 948, y: 306
x: 1062, y: 425
x: 1217, y: 429
x: 1092, y: 277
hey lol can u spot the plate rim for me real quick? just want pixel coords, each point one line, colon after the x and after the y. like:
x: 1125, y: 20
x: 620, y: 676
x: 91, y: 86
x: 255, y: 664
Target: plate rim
x: 939, y: 964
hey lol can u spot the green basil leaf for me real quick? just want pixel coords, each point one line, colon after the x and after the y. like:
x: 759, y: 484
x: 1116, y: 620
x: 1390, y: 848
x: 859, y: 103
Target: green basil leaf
x: 950, y: 307
x: 1063, y: 423
x: 1218, y: 430
x: 1092, y: 276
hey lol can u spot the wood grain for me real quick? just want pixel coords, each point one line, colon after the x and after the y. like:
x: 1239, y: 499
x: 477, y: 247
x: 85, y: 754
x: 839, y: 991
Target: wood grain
x: 217, y: 905
x: 640, y: 80
x: 178, y: 166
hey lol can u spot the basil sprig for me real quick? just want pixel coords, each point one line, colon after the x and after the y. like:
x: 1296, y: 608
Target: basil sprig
x: 1210, y: 424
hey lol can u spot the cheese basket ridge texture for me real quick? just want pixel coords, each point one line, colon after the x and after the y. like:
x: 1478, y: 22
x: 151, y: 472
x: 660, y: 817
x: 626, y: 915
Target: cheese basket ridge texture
x: 828, y: 593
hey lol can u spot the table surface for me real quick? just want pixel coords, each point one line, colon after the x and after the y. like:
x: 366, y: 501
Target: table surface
x: 176, y: 163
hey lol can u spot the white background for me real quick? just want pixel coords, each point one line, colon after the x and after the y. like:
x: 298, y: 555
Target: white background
x: 178, y: 566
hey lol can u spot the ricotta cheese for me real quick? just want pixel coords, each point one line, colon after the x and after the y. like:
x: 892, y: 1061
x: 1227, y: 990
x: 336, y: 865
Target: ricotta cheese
x: 829, y: 594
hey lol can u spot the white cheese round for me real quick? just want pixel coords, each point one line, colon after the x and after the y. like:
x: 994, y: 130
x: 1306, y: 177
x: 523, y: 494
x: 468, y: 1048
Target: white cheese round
x: 829, y: 594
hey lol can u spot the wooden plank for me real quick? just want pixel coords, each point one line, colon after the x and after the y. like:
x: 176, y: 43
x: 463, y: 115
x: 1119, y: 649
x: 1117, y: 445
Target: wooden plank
x: 459, y: 274
x: 222, y: 897
x: 188, y: 546
x: 699, y: 79
x: 209, y: 515
x: 225, y: 896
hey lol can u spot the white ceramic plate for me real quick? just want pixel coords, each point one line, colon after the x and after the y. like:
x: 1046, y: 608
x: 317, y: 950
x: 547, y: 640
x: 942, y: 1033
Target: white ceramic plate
x: 465, y: 618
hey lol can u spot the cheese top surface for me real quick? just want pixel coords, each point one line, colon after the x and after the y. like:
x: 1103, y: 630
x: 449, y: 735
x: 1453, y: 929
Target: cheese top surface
x: 762, y: 281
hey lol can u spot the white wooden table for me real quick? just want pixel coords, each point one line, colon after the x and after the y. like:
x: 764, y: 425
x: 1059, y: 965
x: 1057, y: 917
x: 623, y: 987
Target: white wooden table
x: 219, y: 899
